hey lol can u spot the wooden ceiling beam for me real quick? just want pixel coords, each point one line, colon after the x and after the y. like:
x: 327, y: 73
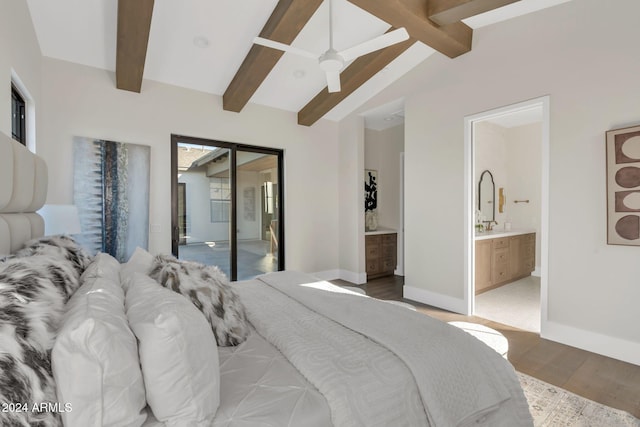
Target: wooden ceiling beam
x: 284, y: 24
x: 451, y: 40
x: 351, y: 78
x: 134, y: 23
x: 445, y: 12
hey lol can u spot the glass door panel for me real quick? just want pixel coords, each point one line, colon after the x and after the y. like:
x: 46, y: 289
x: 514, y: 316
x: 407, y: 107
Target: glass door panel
x: 258, y: 213
x: 204, y: 207
x: 227, y: 206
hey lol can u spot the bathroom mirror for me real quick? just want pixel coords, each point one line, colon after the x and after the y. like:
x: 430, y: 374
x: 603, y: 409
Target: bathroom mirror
x: 486, y: 196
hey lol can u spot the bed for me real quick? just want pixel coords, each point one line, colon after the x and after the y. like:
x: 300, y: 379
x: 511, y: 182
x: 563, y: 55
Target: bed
x: 96, y: 342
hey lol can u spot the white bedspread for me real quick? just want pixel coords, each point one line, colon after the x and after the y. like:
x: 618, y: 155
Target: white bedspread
x: 364, y: 383
x: 260, y: 388
x: 455, y: 378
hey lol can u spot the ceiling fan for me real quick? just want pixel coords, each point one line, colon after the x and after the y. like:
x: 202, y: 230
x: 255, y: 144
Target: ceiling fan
x: 332, y: 61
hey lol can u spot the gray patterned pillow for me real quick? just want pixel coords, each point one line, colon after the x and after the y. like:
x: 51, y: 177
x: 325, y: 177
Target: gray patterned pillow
x: 208, y: 289
x: 35, y: 284
x: 62, y: 249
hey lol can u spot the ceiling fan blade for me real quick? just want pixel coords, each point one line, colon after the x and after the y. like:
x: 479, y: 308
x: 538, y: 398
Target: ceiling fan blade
x: 333, y: 81
x: 284, y: 47
x: 380, y: 42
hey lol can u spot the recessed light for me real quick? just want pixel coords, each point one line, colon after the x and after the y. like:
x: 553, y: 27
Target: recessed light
x: 298, y: 74
x: 389, y: 118
x: 201, y: 42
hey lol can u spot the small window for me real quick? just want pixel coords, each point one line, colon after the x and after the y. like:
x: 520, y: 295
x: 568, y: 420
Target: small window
x: 220, y: 199
x: 18, y: 116
x: 220, y: 210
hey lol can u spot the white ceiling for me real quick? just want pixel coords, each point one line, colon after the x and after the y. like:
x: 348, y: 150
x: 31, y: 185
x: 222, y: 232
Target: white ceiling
x: 84, y: 32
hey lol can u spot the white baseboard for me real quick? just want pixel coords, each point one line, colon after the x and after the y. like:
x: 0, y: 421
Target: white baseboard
x: 353, y: 277
x: 537, y: 272
x: 349, y: 276
x: 617, y: 348
x: 327, y: 274
x: 437, y: 300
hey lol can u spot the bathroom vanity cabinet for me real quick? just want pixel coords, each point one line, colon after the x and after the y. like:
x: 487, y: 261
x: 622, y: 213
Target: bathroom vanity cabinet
x: 381, y: 250
x: 501, y: 259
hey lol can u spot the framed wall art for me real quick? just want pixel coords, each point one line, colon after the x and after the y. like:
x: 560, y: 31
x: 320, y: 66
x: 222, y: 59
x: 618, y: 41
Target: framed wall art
x: 623, y: 186
x: 111, y: 191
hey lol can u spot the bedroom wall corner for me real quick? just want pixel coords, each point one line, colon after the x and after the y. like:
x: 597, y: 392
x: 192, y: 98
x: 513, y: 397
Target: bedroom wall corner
x: 20, y: 56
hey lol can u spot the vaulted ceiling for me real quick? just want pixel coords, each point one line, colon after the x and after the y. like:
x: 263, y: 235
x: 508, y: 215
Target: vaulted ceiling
x: 208, y: 45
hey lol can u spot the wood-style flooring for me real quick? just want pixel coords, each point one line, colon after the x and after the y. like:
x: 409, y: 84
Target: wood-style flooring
x: 599, y: 378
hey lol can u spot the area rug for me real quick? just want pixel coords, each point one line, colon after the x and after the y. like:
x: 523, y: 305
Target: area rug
x: 552, y: 406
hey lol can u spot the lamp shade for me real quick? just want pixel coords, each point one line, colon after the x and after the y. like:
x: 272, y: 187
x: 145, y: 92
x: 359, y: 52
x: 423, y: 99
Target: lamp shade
x: 60, y: 219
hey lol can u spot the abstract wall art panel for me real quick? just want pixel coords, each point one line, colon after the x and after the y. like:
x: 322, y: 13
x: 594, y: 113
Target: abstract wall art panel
x: 623, y: 186
x: 370, y: 200
x: 111, y: 191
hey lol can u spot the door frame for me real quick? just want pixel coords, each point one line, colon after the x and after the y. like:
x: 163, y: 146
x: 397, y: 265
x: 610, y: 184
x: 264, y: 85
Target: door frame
x: 233, y: 176
x: 183, y: 238
x: 470, y: 194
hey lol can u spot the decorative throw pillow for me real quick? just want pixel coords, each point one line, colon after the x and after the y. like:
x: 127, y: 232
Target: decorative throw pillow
x: 178, y: 354
x: 63, y: 247
x: 33, y: 292
x: 95, y: 357
x: 208, y: 289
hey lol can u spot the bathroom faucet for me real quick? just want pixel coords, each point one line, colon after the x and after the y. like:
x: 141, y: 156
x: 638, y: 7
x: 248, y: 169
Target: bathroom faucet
x: 489, y: 227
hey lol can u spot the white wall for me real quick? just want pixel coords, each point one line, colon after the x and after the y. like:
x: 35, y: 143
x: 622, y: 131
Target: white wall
x: 351, y: 200
x: 20, y: 55
x: 490, y: 153
x: 581, y: 55
x: 382, y: 153
x: 80, y: 100
x: 524, y: 171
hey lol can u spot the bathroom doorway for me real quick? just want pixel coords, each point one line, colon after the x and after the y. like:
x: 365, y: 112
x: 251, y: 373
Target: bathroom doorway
x: 508, y: 216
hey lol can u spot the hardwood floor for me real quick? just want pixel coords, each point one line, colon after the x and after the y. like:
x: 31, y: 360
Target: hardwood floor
x: 599, y: 378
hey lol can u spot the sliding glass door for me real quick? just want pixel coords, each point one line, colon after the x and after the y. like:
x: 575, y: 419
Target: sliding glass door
x: 258, y: 208
x: 226, y: 208
x: 203, y: 204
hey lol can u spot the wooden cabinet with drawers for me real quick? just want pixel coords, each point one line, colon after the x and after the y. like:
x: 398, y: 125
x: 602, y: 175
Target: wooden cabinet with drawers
x: 381, y: 254
x: 504, y: 259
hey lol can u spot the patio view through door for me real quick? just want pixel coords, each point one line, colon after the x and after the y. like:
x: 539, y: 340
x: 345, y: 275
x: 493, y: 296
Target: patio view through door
x: 227, y: 206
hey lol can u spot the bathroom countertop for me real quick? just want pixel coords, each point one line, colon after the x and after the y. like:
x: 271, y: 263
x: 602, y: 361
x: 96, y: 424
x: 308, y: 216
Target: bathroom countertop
x: 380, y: 230
x: 502, y: 233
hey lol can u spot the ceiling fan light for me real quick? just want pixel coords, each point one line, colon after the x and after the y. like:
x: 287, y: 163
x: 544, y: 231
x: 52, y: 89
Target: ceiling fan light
x: 331, y: 62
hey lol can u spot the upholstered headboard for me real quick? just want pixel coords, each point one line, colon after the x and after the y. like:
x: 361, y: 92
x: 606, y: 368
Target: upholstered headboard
x: 23, y: 190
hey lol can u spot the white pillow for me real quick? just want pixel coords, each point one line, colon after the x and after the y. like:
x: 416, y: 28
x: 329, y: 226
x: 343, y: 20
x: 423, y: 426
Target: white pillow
x: 95, y: 359
x: 139, y: 262
x: 103, y: 266
x: 178, y: 354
